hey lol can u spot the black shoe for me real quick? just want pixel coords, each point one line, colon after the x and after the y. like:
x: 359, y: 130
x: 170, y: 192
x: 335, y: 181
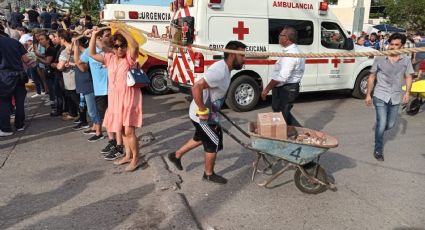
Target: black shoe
x: 115, y: 153
x: 378, y: 155
x: 89, y: 132
x: 108, y: 148
x: 214, y: 178
x: 96, y: 138
x: 77, y: 121
x: 55, y: 114
x: 81, y: 126
x: 176, y: 161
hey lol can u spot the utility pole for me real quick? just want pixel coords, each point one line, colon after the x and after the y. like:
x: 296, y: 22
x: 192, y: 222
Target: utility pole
x: 358, y: 18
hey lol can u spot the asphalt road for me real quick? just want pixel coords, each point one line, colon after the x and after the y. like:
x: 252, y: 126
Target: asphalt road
x: 370, y: 195
x: 52, y: 178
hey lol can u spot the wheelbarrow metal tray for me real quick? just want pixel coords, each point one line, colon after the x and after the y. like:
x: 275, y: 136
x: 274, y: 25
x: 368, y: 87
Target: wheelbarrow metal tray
x: 292, y: 151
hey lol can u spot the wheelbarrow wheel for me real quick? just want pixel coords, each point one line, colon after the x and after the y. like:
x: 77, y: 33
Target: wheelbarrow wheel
x: 413, y: 107
x: 305, y: 184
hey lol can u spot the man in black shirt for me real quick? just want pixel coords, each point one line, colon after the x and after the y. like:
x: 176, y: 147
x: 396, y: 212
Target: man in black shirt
x: 33, y: 18
x: 16, y: 18
x: 46, y: 19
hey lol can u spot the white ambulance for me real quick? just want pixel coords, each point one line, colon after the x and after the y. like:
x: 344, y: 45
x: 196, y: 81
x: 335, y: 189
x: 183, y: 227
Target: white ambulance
x: 156, y: 21
x: 257, y: 23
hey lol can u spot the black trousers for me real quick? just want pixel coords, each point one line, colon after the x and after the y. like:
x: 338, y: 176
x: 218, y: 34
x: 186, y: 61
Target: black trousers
x: 10, y: 87
x: 74, y: 106
x: 283, y: 98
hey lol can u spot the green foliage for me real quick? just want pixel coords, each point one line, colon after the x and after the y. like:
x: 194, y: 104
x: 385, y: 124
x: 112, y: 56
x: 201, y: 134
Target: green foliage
x: 88, y: 7
x: 408, y: 14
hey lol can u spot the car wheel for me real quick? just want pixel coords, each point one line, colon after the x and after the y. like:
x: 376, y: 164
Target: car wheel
x: 243, y: 94
x: 360, y: 88
x: 158, y: 85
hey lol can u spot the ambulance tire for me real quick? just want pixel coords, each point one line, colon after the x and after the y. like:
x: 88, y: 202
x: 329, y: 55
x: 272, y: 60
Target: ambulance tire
x: 158, y: 85
x: 243, y: 94
x: 360, y: 87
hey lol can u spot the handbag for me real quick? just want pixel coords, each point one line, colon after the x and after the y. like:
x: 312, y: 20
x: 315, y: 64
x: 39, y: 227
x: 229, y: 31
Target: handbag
x: 137, y: 78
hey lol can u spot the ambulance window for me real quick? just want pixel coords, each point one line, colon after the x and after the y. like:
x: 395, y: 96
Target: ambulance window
x: 332, y: 36
x: 304, y: 29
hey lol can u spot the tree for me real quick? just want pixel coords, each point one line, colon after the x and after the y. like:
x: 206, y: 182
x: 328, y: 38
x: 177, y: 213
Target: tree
x: 409, y: 14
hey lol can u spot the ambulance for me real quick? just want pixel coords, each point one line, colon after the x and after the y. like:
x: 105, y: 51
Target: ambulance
x: 257, y: 23
x: 156, y: 21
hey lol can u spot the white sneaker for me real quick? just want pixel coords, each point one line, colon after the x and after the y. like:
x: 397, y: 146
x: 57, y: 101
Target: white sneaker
x: 43, y: 93
x: 21, y: 129
x: 49, y: 103
x: 35, y: 95
x: 5, y: 134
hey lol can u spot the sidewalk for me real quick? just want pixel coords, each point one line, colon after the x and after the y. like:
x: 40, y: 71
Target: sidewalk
x: 51, y: 177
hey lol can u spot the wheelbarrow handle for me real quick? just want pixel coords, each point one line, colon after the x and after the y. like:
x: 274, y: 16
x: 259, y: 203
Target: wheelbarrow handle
x: 234, y: 124
x: 235, y: 138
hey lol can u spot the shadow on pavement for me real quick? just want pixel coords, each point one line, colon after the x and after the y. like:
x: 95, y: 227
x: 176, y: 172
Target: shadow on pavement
x: 38, y: 125
x: 408, y: 228
x: 103, y: 214
x: 24, y: 206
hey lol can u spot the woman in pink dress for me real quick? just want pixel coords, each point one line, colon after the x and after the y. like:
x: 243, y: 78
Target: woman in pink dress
x: 124, y: 111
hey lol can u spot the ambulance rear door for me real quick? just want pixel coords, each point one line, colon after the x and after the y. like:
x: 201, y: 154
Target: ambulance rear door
x: 337, y: 71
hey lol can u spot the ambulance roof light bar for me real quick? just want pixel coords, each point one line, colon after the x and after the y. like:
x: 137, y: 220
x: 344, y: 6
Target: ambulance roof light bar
x: 215, y: 4
x: 133, y: 15
x: 323, y: 8
x: 119, y: 14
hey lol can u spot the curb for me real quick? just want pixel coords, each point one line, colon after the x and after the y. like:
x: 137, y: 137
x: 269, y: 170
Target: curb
x: 179, y: 212
x: 180, y: 215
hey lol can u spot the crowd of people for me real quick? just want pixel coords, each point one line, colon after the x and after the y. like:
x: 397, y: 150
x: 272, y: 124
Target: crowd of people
x: 380, y: 41
x: 78, y: 73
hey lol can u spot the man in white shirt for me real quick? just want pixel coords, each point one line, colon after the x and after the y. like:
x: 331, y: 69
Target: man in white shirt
x: 286, y: 76
x: 209, y: 94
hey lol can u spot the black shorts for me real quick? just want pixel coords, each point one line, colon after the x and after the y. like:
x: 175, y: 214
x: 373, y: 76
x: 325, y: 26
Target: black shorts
x: 101, y: 105
x: 210, y: 135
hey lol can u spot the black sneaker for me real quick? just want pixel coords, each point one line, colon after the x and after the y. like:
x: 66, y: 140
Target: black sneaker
x: 214, y: 178
x: 81, y: 126
x: 89, y: 132
x: 95, y: 138
x: 108, y: 148
x: 55, y: 114
x: 177, y: 162
x: 378, y: 155
x: 77, y: 121
x: 115, y: 153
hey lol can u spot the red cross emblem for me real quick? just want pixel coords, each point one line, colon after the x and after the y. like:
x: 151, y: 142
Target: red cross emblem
x: 335, y: 61
x: 240, y: 30
x: 185, y: 28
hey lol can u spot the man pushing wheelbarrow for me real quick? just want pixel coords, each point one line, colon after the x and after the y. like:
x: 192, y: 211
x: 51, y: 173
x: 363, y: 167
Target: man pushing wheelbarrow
x: 208, y: 96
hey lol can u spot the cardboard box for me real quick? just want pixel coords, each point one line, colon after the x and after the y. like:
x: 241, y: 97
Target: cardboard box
x: 272, y: 125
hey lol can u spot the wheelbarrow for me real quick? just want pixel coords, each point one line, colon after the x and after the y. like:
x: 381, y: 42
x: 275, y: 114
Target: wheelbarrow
x: 417, y: 94
x: 309, y: 176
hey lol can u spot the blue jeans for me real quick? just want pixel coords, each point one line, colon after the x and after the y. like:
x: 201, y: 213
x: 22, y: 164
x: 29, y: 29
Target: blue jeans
x: 91, y: 107
x: 386, y: 116
x: 37, y: 81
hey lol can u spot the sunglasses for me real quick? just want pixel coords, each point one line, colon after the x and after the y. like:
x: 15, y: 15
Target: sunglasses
x: 122, y: 46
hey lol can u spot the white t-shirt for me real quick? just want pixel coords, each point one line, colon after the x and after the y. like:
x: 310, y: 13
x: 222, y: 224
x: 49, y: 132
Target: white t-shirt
x: 69, y: 73
x: 218, y: 80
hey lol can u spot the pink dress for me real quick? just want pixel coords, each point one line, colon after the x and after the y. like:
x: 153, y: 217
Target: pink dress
x: 124, y: 103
